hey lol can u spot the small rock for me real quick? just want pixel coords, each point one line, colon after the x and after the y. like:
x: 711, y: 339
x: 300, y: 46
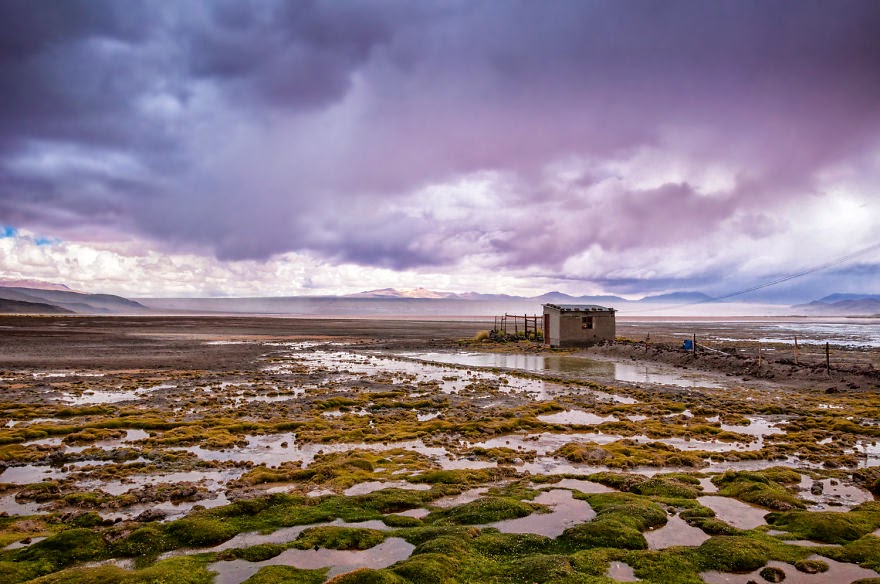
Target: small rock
x: 150, y: 515
x: 833, y: 483
x: 832, y: 390
x: 817, y: 488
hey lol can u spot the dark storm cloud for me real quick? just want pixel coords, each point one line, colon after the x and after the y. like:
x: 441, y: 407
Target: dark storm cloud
x: 253, y: 128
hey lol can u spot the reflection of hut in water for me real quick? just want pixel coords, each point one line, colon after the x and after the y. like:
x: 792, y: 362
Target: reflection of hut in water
x: 567, y: 325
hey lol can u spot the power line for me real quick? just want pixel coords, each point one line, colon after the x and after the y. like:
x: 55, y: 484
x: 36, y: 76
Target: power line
x: 787, y: 277
x: 779, y: 279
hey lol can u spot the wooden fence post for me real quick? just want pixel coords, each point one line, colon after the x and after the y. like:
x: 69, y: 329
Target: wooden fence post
x: 827, y: 358
x: 796, y: 358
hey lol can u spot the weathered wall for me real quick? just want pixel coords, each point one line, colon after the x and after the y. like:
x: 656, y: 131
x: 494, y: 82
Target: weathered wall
x: 566, y: 329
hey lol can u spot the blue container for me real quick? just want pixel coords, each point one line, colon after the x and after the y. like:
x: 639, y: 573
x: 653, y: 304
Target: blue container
x: 688, y: 345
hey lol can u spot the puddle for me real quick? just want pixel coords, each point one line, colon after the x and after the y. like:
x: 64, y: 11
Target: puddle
x: 389, y: 552
x: 171, y: 509
x: 18, y: 545
x: 421, y: 368
x: 415, y: 513
x: 547, y: 442
x: 132, y: 435
x: 210, y: 479
x: 99, y: 396
x: 621, y: 572
x: 566, y: 511
x: 586, y: 487
x: 54, y: 374
x: 808, y: 543
x: 605, y: 370
x: 283, y: 535
x: 837, y: 572
x: 736, y: 513
x: 833, y: 497
x: 868, y: 452
x: 675, y: 532
x: 758, y: 427
x: 30, y: 473
x: 575, y: 417
x: 10, y: 506
x: 853, y: 333
x: 708, y: 485
x: 373, y: 486
x: 339, y: 413
x: 461, y: 498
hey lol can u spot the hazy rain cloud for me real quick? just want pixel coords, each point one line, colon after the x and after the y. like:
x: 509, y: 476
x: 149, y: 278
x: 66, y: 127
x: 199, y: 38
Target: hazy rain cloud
x: 589, y: 146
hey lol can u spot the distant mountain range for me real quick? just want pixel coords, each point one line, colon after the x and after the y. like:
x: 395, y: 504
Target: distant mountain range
x: 551, y: 297
x: 50, y: 298
x: 59, y: 299
x: 842, y: 305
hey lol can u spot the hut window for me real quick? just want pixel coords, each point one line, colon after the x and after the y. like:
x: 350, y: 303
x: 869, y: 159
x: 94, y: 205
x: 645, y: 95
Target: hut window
x: 586, y: 322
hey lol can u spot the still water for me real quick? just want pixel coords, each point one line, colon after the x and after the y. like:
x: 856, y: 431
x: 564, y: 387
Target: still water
x: 606, y: 370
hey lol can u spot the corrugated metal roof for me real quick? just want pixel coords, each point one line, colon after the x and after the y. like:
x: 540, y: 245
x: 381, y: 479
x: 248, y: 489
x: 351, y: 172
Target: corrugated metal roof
x: 579, y: 307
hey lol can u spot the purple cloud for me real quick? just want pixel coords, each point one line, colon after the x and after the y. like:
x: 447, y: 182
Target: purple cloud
x: 248, y: 129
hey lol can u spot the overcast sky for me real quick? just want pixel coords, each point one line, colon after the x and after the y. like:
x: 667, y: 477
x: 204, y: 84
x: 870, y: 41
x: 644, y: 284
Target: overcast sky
x: 185, y: 148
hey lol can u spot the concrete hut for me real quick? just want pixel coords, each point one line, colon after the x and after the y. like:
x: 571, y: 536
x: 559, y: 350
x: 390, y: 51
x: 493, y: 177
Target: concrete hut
x: 567, y: 325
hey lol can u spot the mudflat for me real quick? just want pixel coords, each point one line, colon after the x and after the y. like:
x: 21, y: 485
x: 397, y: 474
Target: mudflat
x: 233, y: 449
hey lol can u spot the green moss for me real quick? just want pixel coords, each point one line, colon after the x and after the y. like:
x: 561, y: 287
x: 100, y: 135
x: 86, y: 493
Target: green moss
x: 90, y: 519
x: 759, y: 488
x: 424, y: 535
x: 181, y: 570
x: 401, y: 521
x: 666, y: 567
x: 462, y: 476
x: 493, y: 543
x: 65, y: 548
x: 485, y: 510
x: 256, y: 553
x: 607, y: 533
x: 667, y: 487
x: 714, y: 526
x: 622, y: 481
x: 428, y: 568
x: 629, y: 454
x: 541, y: 568
x: 91, y: 435
x: 145, y: 541
x: 21, y: 571
x: 594, y: 562
x: 198, y: 531
x: 638, y: 512
x: 620, y: 520
x: 86, y: 499
x: 864, y: 551
x: 339, y: 538
x: 732, y: 554
x: 287, y: 575
x: 829, y: 526
x: 368, y: 576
